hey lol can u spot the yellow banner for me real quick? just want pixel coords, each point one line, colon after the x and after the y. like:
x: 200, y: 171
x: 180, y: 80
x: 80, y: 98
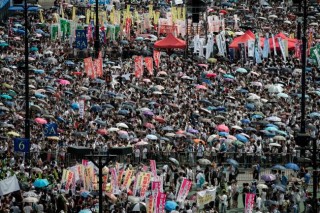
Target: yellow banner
x: 174, y: 14
x: 150, y: 11
x: 150, y: 205
x: 156, y: 17
x: 74, y: 9
x: 62, y: 11
x: 88, y: 14
x: 112, y: 16
x: 179, y: 15
x: 184, y: 13
x: 41, y: 16
x: 64, y: 175
x: 127, y: 14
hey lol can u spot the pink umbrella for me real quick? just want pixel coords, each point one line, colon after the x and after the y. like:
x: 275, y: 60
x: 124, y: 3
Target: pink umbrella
x: 201, y: 87
x: 149, y: 125
x: 122, y: 132
x: 41, y: 121
x: 203, y: 65
x: 64, y: 82
x: 222, y: 128
x: 102, y: 131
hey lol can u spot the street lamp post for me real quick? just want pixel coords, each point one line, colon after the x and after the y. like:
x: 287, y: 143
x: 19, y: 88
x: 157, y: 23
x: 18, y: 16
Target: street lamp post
x: 26, y: 70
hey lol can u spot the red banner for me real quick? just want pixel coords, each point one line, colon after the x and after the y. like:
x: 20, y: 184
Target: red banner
x: 138, y: 68
x: 149, y: 64
x: 156, y: 58
x: 88, y: 67
x: 184, y: 190
x: 153, y: 168
x: 297, y: 50
x: 128, y: 27
x: 89, y: 36
x: 160, y: 202
x: 98, y: 67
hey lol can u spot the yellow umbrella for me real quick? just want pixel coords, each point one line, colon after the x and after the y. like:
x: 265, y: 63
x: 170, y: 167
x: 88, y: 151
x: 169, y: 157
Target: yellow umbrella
x: 7, y: 86
x: 54, y: 138
x: 230, y: 33
x: 212, y: 60
x: 12, y: 133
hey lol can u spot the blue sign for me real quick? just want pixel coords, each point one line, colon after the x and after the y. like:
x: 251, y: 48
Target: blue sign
x: 81, y: 39
x: 50, y: 129
x: 99, y: 2
x: 21, y: 144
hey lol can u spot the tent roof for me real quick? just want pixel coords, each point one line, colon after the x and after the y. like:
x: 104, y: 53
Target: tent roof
x: 248, y: 35
x: 170, y: 42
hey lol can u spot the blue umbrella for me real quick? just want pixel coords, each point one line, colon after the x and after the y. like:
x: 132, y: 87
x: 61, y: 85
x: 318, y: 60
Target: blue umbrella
x: 75, y: 106
x: 250, y: 129
x: 85, y: 211
x: 96, y: 108
x: 5, y: 96
x: 250, y: 106
x: 39, y: 95
x: 223, y: 134
x: 278, y: 167
x: 241, y: 138
x: 60, y: 119
x: 292, y: 166
x: 85, y: 194
x: 272, y: 125
x: 233, y: 162
x: 33, y: 49
x: 38, y: 71
x: 271, y: 129
x: 281, y: 132
x: 243, y: 91
x: 8, y: 103
x: 123, y: 112
x: 245, y: 121
x: 279, y: 187
x: 220, y: 108
x: 40, y: 183
x: 314, y: 115
x: 257, y: 116
x: 170, y: 205
x: 69, y: 63
x: 167, y: 128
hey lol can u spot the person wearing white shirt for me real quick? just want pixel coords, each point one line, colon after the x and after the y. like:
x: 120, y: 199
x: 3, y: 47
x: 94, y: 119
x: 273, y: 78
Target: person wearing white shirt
x: 224, y: 202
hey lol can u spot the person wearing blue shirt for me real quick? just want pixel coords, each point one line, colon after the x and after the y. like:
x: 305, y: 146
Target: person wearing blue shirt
x: 307, y: 178
x: 284, y: 179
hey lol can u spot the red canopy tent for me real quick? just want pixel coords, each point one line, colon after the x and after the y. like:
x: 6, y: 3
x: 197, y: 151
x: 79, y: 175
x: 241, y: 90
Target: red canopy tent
x: 248, y: 35
x: 170, y: 42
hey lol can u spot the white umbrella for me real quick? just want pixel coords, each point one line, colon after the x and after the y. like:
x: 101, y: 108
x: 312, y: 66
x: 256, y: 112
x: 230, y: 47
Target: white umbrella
x: 30, y: 194
x: 253, y: 96
x: 144, y: 109
x: 262, y: 186
x: 175, y: 161
x: 279, y: 138
x: 212, y: 137
x: 152, y: 137
x: 273, y: 118
x: 282, y: 95
x: 123, y: 125
x: 141, y: 143
x: 256, y: 83
x: 204, y: 161
x: 30, y: 200
x: 237, y: 127
x: 139, y: 207
x: 287, y: 22
x: 274, y: 144
x: 275, y: 89
x: 113, y: 129
x: 273, y: 16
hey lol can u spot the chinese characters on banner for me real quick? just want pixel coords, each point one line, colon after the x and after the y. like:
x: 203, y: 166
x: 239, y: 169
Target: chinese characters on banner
x: 81, y: 39
x: 145, y: 181
x: 155, y: 187
x: 128, y: 27
x: 150, y: 204
x: 249, y: 203
x: 149, y: 64
x: 114, y: 181
x: 98, y: 67
x: 138, y: 68
x: 156, y: 58
x: 127, y: 179
x: 160, y: 202
x: 88, y: 67
x: 153, y: 168
x: 184, y: 190
x: 69, y: 180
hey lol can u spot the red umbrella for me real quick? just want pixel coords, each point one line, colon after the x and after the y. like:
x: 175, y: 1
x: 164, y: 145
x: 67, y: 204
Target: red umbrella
x: 77, y: 73
x: 149, y: 125
x: 211, y: 75
x: 102, y: 131
x: 222, y: 128
x: 159, y: 119
x: 41, y: 121
x: 223, y: 12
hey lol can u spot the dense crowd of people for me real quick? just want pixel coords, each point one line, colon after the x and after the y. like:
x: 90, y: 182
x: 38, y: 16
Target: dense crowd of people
x: 200, y: 119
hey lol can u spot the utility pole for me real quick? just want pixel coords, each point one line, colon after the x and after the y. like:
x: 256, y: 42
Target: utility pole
x: 97, y: 41
x: 26, y: 74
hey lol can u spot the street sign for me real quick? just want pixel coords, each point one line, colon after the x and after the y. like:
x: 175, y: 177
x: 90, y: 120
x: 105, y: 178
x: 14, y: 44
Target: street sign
x: 21, y: 144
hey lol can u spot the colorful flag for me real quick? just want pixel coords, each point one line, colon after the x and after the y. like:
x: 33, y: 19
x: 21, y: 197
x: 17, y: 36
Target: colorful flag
x: 249, y: 202
x: 138, y: 66
x: 184, y: 190
x: 156, y: 58
x: 149, y: 64
x: 88, y: 67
